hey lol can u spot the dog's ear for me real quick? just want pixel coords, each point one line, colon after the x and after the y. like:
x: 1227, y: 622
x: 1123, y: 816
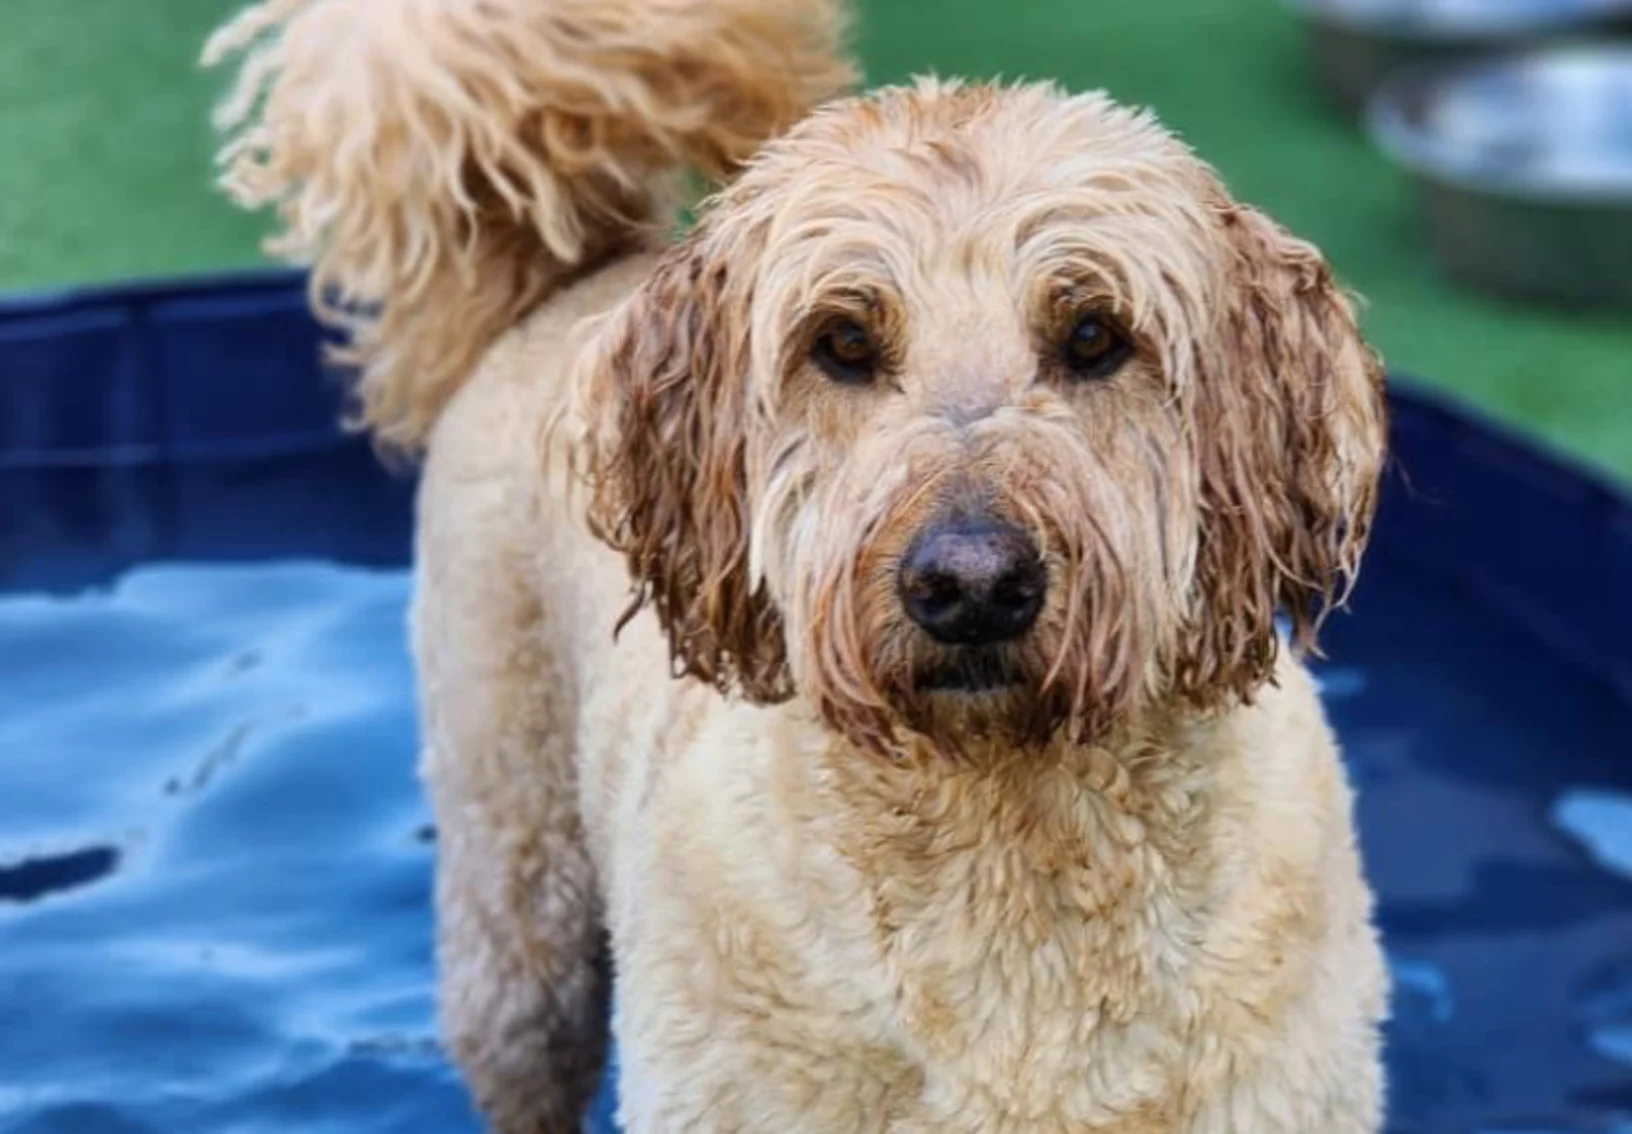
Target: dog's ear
x: 663, y: 389
x: 1290, y: 436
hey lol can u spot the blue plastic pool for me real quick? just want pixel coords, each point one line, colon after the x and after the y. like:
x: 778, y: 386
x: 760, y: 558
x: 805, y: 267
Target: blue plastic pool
x: 215, y: 863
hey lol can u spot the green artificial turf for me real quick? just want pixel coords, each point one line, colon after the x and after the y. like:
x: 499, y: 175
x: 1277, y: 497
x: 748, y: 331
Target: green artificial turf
x: 104, y: 168
x: 105, y: 143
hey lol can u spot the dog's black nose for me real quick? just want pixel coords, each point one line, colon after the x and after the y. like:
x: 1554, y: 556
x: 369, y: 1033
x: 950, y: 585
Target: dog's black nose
x: 972, y: 583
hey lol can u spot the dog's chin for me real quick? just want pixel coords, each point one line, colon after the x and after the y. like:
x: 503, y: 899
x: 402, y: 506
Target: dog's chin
x: 969, y: 672
x: 979, y: 697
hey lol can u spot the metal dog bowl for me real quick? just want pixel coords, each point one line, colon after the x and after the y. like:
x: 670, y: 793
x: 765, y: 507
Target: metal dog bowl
x: 1357, y: 44
x: 1525, y: 168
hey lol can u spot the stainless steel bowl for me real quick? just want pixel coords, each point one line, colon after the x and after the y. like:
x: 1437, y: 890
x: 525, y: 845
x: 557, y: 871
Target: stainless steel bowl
x: 1357, y: 44
x: 1525, y: 167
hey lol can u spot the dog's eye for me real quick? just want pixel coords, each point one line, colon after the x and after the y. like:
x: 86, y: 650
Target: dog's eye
x: 1095, y: 348
x: 845, y: 352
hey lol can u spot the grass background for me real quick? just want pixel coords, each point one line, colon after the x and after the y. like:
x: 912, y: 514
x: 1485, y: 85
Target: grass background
x: 105, y: 169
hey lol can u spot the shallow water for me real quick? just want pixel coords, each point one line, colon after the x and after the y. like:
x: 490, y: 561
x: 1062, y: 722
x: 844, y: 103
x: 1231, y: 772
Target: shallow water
x: 207, y: 774
x: 215, y: 861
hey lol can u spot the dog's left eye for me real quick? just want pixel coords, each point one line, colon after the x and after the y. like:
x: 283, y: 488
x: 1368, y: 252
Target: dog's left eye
x: 845, y: 352
x: 1095, y: 348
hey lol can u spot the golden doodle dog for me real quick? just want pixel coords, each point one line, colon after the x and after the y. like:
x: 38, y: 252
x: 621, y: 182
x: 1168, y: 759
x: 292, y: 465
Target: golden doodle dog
x: 846, y: 633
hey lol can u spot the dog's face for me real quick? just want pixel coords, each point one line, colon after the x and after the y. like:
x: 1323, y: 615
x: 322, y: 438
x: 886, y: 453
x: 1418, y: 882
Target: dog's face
x: 974, y: 411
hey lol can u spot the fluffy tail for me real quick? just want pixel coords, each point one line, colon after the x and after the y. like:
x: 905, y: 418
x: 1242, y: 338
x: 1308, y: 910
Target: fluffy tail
x: 442, y: 165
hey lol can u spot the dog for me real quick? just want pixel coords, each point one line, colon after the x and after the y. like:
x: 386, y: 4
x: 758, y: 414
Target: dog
x: 860, y: 637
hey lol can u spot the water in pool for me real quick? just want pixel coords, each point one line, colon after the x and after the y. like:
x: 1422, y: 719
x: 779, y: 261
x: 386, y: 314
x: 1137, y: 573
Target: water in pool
x: 215, y: 862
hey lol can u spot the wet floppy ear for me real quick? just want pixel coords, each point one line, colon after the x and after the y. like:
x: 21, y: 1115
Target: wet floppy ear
x: 663, y: 388
x: 1290, y: 434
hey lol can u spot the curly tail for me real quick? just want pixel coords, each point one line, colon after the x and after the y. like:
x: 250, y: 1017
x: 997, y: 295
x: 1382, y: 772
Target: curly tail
x: 442, y: 165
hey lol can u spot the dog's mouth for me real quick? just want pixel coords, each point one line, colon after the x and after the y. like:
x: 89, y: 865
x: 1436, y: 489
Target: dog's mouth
x: 970, y: 671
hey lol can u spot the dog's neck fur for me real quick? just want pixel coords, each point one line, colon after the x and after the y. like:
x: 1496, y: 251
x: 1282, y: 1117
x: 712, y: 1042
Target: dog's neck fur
x: 1073, y: 881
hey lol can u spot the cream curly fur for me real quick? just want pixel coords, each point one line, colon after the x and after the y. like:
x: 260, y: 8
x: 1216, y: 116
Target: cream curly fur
x: 444, y: 165
x: 1118, y: 892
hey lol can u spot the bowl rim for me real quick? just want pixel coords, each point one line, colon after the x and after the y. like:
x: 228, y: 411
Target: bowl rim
x: 1357, y: 19
x: 1392, y: 131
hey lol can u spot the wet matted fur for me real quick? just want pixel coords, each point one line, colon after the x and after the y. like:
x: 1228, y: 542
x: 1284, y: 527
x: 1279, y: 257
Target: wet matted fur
x: 678, y: 724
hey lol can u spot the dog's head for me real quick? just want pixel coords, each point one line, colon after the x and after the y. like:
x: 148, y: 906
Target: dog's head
x: 975, y: 410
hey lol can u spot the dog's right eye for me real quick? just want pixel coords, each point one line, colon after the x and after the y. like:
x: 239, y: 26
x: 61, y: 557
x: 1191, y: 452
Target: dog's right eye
x: 1095, y: 348
x: 845, y: 352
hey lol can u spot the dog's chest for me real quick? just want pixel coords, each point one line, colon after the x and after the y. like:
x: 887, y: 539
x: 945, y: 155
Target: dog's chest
x: 1035, y: 937
x: 967, y: 954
